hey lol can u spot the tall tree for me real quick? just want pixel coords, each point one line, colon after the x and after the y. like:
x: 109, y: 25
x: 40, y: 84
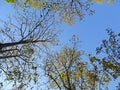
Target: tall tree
x: 109, y: 51
x: 23, y: 37
x: 66, y: 70
x: 110, y: 48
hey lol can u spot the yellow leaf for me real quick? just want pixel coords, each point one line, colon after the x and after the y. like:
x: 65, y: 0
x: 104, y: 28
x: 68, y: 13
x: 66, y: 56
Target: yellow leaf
x: 53, y: 84
x: 63, y: 75
x: 68, y: 20
x: 78, y: 76
x: 98, y: 1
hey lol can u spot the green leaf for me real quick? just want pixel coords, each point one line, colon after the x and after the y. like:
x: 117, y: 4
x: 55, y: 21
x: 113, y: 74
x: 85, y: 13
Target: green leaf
x: 9, y: 77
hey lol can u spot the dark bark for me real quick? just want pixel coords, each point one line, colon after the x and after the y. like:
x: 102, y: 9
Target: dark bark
x: 18, y: 43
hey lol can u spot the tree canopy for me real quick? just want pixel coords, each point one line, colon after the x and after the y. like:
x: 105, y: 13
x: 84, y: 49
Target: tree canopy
x: 111, y: 48
x: 67, y: 10
x: 66, y: 70
x: 28, y: 48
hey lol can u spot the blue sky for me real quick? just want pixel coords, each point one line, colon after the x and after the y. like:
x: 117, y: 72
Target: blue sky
x: 91, y: 31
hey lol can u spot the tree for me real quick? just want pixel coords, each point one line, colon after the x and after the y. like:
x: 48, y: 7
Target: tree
x: 22, y: 37
x: 111, y: 50
x: 67, y: 10
x: 67, y: 71
x: 109, y: 63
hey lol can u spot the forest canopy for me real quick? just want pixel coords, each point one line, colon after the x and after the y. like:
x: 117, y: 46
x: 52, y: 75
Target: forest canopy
x: 33, y: 56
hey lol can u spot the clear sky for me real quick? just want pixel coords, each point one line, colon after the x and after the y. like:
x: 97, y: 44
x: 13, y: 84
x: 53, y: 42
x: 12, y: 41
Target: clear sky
x: 91, y: 31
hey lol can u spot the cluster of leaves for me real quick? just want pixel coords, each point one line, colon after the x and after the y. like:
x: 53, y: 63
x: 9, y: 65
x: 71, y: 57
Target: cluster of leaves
x: 65, y: 69
x: 66, y: 10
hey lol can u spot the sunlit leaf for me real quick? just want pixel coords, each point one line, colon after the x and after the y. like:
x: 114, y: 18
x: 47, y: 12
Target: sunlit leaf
x: 10, y: 1
x: 99, y: 1
x: 53, y: 84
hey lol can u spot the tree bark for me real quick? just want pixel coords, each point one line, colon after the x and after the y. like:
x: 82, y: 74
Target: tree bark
x: 18, y: 43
